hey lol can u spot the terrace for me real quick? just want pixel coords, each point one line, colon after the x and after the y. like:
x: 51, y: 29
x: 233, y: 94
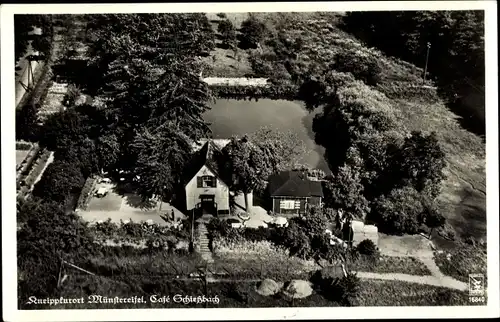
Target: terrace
x: 119, y: 205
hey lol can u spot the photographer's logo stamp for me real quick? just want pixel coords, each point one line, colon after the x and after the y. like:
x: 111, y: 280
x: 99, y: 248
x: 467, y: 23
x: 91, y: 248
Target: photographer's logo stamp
x: 476, y: 284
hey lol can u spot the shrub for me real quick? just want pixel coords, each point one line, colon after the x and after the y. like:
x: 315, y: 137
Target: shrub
x: 367, y: 247
x: 362, y: 66
x: 237, y: 292
x: 253, y: 31
x: 400, y: 212
x: 347, y: 289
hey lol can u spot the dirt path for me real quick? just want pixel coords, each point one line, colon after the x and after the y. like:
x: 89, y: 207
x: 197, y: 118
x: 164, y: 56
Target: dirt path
x: 418, y: 247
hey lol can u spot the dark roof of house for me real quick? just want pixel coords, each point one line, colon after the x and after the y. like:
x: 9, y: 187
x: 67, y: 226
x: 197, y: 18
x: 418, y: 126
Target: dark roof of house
x: 207, y: 156
x: 294, y: 183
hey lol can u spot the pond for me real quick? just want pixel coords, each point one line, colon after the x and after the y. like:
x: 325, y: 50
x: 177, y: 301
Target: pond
x: 230, y: 117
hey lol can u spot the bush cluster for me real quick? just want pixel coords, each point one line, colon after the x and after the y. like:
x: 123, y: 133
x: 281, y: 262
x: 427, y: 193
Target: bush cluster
x: 336, y: 286
x: 367, y: 247
x: 287, y: 92
x: 136, y: 230
x: 363, y: 66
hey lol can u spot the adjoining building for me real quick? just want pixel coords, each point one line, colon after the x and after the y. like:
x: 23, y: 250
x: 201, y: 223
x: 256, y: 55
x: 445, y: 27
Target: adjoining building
x: 292, y: 193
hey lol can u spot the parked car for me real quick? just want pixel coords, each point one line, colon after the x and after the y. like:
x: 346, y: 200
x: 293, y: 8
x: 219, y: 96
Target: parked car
x: 101, y: 192
x: 105, y: 180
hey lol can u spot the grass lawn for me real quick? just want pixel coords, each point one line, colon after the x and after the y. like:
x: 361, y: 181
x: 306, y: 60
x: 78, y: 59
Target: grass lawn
x: 223, y: 63
x: 390, y: 264
x: 396, y: 293
x: 463, y: 260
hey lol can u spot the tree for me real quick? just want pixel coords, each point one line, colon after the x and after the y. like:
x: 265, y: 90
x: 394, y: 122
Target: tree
x: 154, y: 175
x: 348, y: 289
x: 400, y: 212
x: 289, y: 148
x: 27, y: 123
x: 60, y: 180
x: 63, y: 130
x: 421, y: 162
x: 253, y: 31
x: 345, y: 191
x: 432, y: 217
x: 228, y: 33
x: 247, y: 165
x: 47, y: 235
x: 296, y: 240
x: 108, y: 150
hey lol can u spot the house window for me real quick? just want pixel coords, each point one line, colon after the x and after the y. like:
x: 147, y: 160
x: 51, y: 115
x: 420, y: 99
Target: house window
x: 289, y: 204
x: 207, y: 182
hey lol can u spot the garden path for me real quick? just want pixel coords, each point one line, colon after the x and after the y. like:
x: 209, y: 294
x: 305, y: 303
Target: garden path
x: 418, y: 247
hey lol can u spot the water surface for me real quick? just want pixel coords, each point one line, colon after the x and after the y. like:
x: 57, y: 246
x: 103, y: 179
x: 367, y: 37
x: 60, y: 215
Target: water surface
x: 230, y: 117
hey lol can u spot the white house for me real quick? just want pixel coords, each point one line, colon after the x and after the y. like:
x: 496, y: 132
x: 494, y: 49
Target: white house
x: 205, y: 190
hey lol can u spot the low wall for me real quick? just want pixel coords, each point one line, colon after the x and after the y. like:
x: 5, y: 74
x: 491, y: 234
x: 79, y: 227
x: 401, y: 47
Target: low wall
x: 362, y: 232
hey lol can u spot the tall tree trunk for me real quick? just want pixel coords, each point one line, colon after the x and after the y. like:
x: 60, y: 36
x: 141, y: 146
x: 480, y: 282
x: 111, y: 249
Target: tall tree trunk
x: 245, y: 194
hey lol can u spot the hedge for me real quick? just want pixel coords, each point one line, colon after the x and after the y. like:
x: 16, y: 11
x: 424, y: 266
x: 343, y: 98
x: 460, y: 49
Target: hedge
x: 86, y: 193
x: 23, y: 146
x: 28, y: 161
x: 286, y: 92
x: 40, y: 90
x: 38, y: 167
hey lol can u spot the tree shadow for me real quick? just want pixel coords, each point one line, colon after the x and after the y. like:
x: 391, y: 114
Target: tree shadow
x: 137, y: 201
x: 470, y: 214
x: 470, y: 118
x: 123, y: 188
x: 307, y: 122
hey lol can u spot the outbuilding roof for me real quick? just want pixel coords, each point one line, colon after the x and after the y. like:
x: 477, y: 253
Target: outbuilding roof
x: 295, y: 184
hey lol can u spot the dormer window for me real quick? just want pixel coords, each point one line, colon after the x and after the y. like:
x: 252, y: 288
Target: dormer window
x: 207, y: 182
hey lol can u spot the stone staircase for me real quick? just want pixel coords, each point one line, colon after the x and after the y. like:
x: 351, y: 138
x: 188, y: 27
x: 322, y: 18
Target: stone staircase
x: 203, y: 243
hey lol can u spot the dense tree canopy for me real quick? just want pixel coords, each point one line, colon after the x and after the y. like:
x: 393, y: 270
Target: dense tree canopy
x: 48, y: 234
x: 147, y: 71
x: 59, y: 181
x: 247, y: 165
x: 253, y: 31
x: 23, y: 25
x: 160, y: 159
x: 228, y: 33
x: 288, y: 147
x: 456, y: 56
x: 345, y: 191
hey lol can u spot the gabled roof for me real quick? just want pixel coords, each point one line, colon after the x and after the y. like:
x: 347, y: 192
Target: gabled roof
x: 206, y: 156
x: 294, y: 184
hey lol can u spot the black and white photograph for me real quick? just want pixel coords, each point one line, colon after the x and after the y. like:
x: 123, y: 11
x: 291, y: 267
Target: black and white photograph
x: 275, y: 158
